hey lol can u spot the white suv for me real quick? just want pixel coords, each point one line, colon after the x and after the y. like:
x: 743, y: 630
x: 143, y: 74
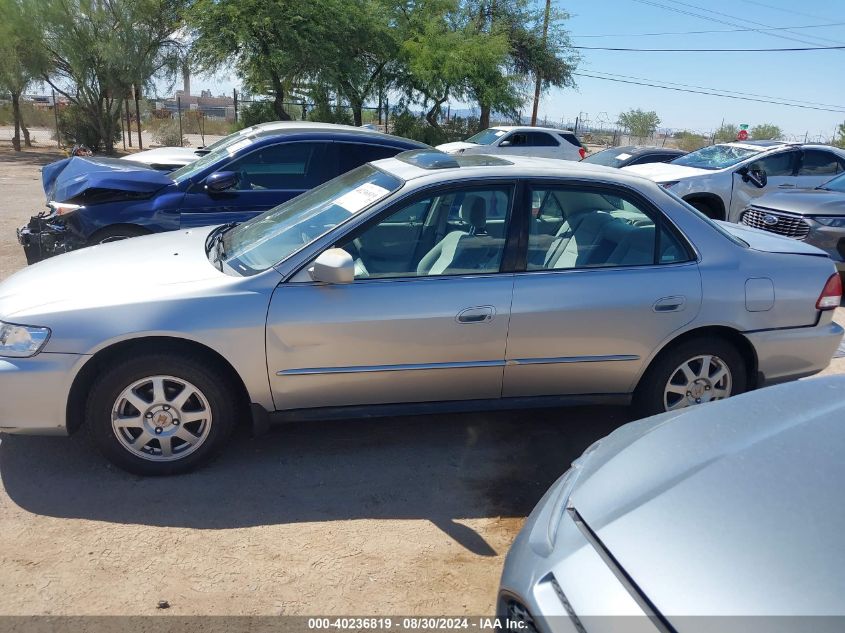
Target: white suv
x: 720, y: 180
x: 544, y: 142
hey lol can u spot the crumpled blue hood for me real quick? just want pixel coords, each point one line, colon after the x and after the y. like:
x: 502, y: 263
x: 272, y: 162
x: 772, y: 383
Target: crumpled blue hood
x: 66, y: 179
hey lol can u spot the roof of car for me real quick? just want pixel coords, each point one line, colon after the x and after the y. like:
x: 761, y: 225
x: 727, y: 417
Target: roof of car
x: 308, y: 127
x: 438, y: 165
x: 529, y: 128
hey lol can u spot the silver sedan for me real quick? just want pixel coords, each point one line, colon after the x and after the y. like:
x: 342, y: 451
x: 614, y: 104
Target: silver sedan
x: 421, y: 283
x: 725, y: 511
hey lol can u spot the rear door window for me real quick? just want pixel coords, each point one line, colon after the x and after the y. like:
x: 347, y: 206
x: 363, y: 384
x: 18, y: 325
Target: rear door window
x: 352, y: 155
x: 819, y: 163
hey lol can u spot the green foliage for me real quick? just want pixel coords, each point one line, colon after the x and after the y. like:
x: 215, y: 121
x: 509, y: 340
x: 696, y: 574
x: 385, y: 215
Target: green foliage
x: 76, y: 128
x: 690, y: 141
x: 639, y: 123
x: 766, y: 132
x: 405, y: 123
x: 839, y: 141
x: 725, y: 133
x: 255, y: 113
x: 100, y: 50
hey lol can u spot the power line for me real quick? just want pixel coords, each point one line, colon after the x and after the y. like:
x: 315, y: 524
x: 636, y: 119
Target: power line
x: 712, y: 94
x: 734, y: 17
x: 769, y: 6
x: 710, y: 50
x: 773, y: 28
x: 719, y: 21
x: 734, y: 92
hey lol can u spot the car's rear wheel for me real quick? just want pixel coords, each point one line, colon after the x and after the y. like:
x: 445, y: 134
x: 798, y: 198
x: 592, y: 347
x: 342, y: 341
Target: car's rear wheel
x: 160, y: 414
x: 117, y: 233
x: 707, y: 209
x: 693, y: 372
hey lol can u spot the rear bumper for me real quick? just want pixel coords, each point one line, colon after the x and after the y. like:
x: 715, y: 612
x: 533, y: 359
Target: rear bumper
x: 789, y: 354
x: 34, y: 393
x: 45, y: 237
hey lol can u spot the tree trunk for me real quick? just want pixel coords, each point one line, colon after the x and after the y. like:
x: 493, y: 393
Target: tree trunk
x: 16, y: 110
x: 432, y: 115
x: 484, y: 119
x: 137, y: 93
x: 357, y: 114
x: 279, y: 98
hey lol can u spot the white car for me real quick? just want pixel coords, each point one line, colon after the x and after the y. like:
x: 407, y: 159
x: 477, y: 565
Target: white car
x: 720, y: 180
x: 543, y: 142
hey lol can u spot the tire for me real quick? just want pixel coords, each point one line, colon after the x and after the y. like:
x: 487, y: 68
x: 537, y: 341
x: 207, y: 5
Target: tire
x: 116, y: 233
x: 139, y: 438
x: 653, y: 394
x: 707, y: 209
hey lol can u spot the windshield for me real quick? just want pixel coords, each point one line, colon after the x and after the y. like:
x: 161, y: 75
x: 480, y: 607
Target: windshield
x: 837, y: 184
x: 267, y: 239
x: 227, y: 147
x: 227, y: 139
x: 613, y: 157
x: 486, y: 137
x: 716, y: 157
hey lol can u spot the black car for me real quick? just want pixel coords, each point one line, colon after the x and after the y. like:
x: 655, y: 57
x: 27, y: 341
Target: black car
x: 632, y: 155
x: 94, y: 200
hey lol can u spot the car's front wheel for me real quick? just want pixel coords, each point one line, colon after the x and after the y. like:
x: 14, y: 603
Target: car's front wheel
x: 693, y: 372
x: 160, y: 414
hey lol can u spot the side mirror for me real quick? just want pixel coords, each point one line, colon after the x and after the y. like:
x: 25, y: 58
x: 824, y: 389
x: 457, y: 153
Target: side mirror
x: 334, y: 266
x: 756, y: 177
x: 505, y: 144
x: 221, y: 181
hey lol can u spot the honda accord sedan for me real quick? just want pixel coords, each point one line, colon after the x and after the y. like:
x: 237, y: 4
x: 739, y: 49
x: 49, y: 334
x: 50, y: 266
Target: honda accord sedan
x: 420, y: 283
x: 719, y: 518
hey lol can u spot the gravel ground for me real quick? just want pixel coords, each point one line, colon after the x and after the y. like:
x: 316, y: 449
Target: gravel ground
x: 395, y: 516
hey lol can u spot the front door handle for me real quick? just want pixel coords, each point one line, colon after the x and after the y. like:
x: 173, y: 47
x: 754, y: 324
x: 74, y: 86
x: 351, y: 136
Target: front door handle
x: 786, y: 185
x: 669, y: 304
x: 479, y: 314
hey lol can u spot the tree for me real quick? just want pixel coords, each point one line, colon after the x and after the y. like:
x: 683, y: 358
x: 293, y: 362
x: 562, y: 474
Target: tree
x: 22, y: 58
x: 725, y: 133
x: 274, y: 44
x: 689, y: 141
x: 840, y: 141
x: 639, y: 123
x: 766, y: 132
x: 100, y: 49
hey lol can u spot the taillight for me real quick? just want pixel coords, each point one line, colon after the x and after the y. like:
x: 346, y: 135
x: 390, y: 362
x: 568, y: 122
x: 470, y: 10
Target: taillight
x: 831, y: 295
x: 583, y: 152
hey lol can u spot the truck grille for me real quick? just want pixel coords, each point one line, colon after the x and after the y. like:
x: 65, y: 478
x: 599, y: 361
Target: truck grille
x: 780, y: 223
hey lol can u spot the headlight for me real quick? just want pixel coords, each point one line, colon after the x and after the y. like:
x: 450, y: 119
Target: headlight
x: 837, y: 222
x: 21, y: 341
x: 63, y: 208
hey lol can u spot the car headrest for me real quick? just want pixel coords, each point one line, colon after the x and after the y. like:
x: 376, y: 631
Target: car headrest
x: 474, y: 213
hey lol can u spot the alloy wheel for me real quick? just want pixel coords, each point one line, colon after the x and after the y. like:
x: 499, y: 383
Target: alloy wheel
x: 161, y: 418
x: 697, y: 380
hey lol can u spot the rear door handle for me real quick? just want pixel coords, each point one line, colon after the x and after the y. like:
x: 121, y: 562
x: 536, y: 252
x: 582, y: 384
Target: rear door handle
x: 479, y: 314
x: 670, y: 304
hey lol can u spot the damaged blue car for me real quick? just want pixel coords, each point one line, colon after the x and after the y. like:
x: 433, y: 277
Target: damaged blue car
x: 92, y: 200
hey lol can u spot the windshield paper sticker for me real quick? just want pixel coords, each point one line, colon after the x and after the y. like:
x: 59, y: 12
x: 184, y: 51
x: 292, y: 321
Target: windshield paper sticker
x: 361, y: 197
x: 623, y: 156
x: 232, y: 149
x: 500, y: 133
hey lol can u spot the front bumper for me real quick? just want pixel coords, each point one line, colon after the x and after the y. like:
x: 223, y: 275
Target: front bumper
x: 34, y: 393
x: 794, y: 353
x: 45, y: 236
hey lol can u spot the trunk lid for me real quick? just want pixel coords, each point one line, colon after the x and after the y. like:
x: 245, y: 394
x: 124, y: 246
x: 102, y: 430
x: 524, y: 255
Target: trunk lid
x: 770, y: 242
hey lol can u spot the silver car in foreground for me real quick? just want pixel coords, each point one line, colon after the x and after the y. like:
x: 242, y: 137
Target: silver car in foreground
x: 733, y: 509
x: 421, y: 283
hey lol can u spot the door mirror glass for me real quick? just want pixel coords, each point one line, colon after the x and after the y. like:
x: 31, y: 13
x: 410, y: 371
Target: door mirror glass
x: 334, y: 266
x: 221, y: 181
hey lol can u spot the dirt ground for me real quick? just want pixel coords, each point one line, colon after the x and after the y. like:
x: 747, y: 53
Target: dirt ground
x: 385, y: 517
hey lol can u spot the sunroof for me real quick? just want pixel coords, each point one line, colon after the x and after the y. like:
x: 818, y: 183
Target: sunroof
x: 435, y: 159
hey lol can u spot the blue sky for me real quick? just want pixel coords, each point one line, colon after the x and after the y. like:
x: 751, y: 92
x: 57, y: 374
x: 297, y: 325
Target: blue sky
x: 808, y: 76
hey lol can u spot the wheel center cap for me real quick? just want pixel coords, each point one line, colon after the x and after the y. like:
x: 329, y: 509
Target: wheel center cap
x: 160, y: 417
x: 698, y: 389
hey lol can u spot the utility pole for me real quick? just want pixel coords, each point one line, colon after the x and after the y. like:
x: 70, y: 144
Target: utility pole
x: 539, y: 84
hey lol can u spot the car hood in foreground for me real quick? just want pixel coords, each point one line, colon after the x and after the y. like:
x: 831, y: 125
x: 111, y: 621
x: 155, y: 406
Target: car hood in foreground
x: 731, y: 508
x: 804, y: 202
x: 136, y: 270
x: 67, y: 179
x: 667, y: 172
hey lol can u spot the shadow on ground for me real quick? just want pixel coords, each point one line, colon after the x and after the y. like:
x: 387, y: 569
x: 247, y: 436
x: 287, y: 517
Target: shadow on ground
x: 439, y: 468
x: 31, y: 156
